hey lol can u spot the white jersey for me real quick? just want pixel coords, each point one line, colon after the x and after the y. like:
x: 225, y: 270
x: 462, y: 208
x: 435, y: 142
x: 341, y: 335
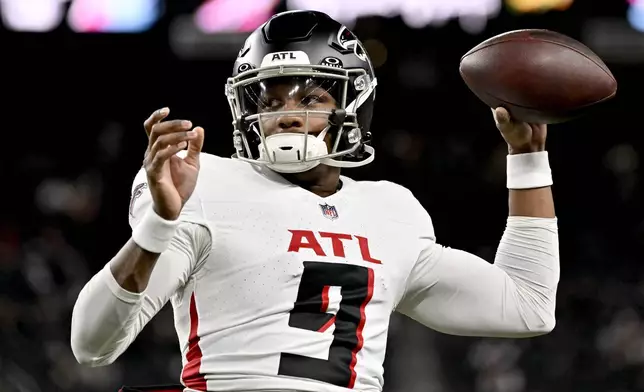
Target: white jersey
x: 276, y: 288
x: 295, y: 286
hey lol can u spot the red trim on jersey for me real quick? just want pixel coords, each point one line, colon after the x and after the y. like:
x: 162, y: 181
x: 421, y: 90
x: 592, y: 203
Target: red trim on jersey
x: 325, y: 307
x: 325, y: 299
x: 363, y: 319
x: 327, y: 324
x: 191, y: 376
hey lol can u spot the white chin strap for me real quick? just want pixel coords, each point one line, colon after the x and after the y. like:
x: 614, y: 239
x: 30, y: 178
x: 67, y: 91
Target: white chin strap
x: 286, y: 153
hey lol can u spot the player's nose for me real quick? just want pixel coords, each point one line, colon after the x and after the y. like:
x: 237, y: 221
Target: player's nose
x: 291, y: 122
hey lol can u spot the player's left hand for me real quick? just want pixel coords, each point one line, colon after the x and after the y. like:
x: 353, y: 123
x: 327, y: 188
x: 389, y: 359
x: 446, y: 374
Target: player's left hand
x: 521, y: 137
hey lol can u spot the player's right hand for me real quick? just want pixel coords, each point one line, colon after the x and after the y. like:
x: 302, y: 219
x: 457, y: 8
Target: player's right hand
x: 171, y: 179
x: 521, y: 137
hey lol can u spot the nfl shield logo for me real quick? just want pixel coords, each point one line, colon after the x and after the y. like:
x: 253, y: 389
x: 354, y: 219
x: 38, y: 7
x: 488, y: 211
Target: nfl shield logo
x: 329, y: 211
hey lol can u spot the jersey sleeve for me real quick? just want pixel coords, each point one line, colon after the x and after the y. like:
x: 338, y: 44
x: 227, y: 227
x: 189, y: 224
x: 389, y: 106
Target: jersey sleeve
x: 456, y: 292
x: 107, y: 318
x: 141, y: 200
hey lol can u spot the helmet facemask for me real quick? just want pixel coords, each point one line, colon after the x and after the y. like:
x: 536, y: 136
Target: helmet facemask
x: 292, y: 118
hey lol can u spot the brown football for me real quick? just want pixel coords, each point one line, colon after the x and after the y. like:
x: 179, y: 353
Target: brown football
x: 539, y: 76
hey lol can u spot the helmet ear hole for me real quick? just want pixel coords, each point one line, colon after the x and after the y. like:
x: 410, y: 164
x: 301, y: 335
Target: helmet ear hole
x: 366, y: 139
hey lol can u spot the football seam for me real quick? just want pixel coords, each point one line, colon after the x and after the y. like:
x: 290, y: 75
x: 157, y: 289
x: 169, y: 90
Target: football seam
x: 551, y: 42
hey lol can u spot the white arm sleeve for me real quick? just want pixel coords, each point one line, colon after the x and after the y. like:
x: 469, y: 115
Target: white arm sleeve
x: 107, y: 318
x: 458, y: 293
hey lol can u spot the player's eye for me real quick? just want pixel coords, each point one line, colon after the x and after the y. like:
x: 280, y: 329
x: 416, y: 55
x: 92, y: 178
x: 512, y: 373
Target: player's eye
x: 310, y: 100
x: 270, y: 104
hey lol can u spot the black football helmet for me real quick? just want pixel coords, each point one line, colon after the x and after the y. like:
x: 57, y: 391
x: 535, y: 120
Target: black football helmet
x: 308, y: 51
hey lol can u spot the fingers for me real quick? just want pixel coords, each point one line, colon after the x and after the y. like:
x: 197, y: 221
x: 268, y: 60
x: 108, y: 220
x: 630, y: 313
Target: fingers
x: 154, y: 118
x: 155, y: 128
x: 501, y: 116
x: 166, y: 138
x: 172, y: 139
x: 162, y: 156
x: 168, y: 145
x: 168, y: 127
x: 195, y: 146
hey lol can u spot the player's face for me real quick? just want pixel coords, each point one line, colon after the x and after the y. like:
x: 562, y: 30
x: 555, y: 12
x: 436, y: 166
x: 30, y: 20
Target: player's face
x: 301, y: 94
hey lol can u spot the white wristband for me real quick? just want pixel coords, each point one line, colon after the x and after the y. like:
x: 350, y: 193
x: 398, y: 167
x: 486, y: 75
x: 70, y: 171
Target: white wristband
x: 154, y: 233
x: 531, y: 170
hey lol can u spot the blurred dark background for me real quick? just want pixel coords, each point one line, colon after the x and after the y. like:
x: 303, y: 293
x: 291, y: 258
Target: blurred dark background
x: 82, y: 75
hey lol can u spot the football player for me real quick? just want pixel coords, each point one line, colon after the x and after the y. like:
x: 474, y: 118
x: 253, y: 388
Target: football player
x: 282, y: 272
